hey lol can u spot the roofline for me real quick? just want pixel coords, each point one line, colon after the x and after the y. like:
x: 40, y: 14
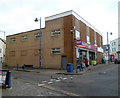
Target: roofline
x: 115, y: 39
x: 24, y: 32
x: 71, y: 12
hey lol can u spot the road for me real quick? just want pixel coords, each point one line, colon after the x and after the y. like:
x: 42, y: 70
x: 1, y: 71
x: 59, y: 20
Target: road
x: 100, y: 81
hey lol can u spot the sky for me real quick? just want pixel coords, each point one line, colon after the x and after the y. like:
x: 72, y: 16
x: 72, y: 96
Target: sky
x: 18, y: 15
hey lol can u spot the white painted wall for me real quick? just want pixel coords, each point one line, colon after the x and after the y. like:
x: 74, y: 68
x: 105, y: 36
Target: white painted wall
x: 2, y: 53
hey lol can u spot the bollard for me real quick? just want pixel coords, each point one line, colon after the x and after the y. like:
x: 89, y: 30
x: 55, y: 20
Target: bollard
x: 9, y: 79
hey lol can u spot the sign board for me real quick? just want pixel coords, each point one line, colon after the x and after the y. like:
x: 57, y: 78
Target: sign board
x: 2, y: 76
x: 100, y: 49
x: 82, y: 44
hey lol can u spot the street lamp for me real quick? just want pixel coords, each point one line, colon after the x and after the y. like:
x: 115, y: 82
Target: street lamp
x: 4, y: 33
x: 40, y: 50
x: 108, y: 46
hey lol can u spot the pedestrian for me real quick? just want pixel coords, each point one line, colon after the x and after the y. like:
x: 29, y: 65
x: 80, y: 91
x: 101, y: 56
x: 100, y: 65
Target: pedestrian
x: 104, y: 60
x: 86, y: 63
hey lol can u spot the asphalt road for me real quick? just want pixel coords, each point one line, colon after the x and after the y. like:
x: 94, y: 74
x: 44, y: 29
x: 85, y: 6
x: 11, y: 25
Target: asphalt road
x: 100, y: 81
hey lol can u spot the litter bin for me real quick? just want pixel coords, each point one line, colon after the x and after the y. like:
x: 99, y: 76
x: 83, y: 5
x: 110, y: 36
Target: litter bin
x: 70, y: 67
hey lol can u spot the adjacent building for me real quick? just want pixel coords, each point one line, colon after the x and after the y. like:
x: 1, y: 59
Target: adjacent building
x: 65, y: 38
x: 115, y: 48
x: 105, y: 51
x: 2, y: 51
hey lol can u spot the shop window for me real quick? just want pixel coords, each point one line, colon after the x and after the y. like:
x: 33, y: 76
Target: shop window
x: 23, y: 52
x: 12, y: 40
x: 24, y: 37
x: 55, y: 51
x: 55, y: 32
x: 12, y: 53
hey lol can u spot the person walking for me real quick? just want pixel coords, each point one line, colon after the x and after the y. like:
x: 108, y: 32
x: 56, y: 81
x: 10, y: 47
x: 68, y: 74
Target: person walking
x: 86, y: 63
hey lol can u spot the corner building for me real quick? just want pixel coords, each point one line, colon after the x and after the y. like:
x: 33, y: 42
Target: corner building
x: 65, y: 38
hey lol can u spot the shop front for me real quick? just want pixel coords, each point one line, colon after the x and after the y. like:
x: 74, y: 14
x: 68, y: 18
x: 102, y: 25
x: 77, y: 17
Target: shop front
x: 86, y: 51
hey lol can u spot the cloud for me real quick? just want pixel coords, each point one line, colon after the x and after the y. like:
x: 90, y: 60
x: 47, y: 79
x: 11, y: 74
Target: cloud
x: 18, y: 15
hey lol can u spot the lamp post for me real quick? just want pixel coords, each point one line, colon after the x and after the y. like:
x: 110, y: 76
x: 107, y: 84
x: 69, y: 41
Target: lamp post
x: 108, y: 46
x: 4, y: 33
x: 40, y: 50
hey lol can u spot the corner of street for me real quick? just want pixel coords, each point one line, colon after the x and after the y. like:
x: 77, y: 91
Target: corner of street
x: 49, y: 82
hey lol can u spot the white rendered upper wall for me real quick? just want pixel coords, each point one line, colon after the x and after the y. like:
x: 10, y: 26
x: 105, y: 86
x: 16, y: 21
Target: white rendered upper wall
x: 71, y: 12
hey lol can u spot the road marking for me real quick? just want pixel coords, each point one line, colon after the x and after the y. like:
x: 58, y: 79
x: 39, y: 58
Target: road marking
x: 52, y: 79
x: 41, y: 84
x: 60, y: 77
x: 58, y: 80
x: 61, y: 91
x: 51, y: 88
x: 50, y: 82
x: 44, y: 81
x: 64, y: 78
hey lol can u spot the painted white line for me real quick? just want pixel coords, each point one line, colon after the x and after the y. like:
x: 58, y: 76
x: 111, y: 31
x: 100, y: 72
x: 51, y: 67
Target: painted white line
x: 41, y: 84
x: 64, y: 78
x: 44, y: 81
x: 58, y: 80
x: 52, y: 79
x: 60, y: 77
x: 50, y: 82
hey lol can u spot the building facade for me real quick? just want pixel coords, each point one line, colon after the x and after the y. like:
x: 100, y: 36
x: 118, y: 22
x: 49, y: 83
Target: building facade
x: 115, y: 48
x: 65, y: 38
x: 2, y: 51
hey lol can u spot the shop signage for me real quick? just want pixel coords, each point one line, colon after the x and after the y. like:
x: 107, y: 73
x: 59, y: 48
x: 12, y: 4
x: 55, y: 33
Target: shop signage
x: 99, y: 49
x: 82, y: 44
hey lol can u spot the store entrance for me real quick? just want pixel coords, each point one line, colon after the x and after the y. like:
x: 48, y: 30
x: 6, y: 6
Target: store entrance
x: 91, y: 57
x: 83, y: 55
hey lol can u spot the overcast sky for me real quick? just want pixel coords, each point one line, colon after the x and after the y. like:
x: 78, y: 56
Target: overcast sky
x: 18, y: 15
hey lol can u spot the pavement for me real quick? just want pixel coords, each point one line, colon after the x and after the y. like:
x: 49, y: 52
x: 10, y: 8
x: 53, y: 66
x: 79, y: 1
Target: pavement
x: 20, y: 86
x: 54, y: 71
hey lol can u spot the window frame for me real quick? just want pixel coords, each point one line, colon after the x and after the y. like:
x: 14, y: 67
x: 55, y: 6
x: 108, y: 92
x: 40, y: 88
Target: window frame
x: 55, y: 32
x: 12, y: 40
x: 53, y: 50
x: 24, y: 38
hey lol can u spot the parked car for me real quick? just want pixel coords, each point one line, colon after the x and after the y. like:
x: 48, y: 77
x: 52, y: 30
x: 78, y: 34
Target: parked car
x: 117, y: 61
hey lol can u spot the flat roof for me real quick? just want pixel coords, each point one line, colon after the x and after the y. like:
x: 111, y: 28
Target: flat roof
x: 71, y: 12
x: 24, y: 32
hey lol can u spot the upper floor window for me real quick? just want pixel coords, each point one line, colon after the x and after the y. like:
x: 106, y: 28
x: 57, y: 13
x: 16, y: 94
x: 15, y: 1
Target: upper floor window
x: 37, y: 35
x: 114, y: 43
x: 55, y: 51
x: 55, y: 32
x: 95, y: 41
x: 88, y: 39
x: 88, y: 34
x: 77, y: 34
x: 13, y: 40
x: 24, y: 37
